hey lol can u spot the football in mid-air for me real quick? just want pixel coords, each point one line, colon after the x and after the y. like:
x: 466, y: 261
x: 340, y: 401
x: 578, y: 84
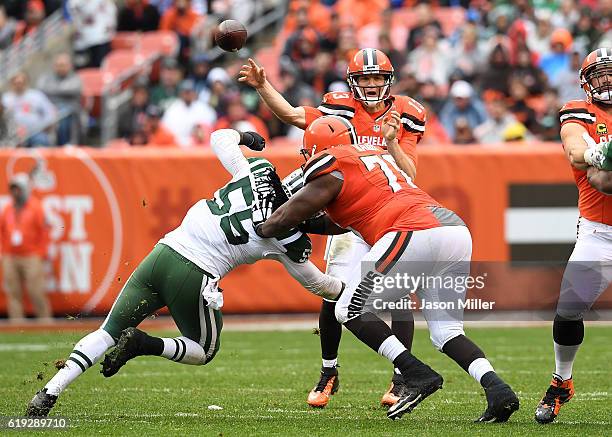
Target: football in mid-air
x: 231, y: 35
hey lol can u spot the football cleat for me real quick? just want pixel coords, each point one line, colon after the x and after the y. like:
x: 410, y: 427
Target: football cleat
x: 328, y: 385
x: 395, y: 392
x: 430, y: 382
x: 501, y: 403
x: 128, y: 347
x: 41, y: 404
x: 559, y: 393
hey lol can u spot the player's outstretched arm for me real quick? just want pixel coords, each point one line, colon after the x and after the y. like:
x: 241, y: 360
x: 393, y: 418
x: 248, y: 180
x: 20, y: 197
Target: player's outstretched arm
x: 601, y: 180
x: 255, y: 76
x: 311, y: 199
x: 312, y: 279
x: 226, y: 145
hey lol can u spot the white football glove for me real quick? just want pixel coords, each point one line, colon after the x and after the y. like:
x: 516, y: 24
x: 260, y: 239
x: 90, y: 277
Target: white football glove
x: 212, y: 294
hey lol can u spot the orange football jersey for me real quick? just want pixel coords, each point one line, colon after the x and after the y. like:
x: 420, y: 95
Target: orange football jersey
x: 376, y: 196
x: 369, y: 126
x: 593, y: 205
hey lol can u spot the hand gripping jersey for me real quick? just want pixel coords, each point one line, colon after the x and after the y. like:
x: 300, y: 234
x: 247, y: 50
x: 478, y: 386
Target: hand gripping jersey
x: 593, y: 205
x: 369, y: 126
x: 376, y: 197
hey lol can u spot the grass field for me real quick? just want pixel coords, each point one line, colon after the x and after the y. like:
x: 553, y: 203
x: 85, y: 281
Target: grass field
x: 261, y: 379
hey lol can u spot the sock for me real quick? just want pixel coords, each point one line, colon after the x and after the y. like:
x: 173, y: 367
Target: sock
x: 183, y: 350
x: 564, y: 359
x: 84, y: 355
x: 330, y: 363
x: 402, y: 325
x: 330, y: 331
x: 568, y: 336
x: 471, y: 359
x: 391, y: 348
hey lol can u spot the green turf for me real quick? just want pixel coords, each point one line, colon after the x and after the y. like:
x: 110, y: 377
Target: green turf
x: 261, y: 380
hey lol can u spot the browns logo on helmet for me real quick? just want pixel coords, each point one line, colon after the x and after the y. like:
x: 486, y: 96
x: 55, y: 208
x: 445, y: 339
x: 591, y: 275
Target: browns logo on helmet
x: 325, y: 132
x: 367, y: 62
x: 596, y: 76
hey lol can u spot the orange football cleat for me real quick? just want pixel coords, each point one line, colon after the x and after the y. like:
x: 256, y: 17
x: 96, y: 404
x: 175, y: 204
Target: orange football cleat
x: 395, y: 391
x: 328, y: 385
x: 559, y: 393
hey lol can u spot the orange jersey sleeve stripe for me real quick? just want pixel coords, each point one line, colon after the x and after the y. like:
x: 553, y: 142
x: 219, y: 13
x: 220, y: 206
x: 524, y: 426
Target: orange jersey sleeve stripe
x: 318, y: 166
x: 393, y: 253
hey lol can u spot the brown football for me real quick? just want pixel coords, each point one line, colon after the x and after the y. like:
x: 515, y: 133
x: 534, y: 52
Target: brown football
x: 230, y: 35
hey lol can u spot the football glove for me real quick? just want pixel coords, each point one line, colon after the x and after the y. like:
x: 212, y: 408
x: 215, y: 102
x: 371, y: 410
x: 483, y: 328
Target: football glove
x: 252, y: 140
x: 598, y: 155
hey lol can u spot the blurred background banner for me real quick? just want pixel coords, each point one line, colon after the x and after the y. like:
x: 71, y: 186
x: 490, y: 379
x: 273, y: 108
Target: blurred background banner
x: 107, y: 208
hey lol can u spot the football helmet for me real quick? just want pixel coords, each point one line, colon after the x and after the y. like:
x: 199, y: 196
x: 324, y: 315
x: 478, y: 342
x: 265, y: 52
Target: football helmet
x: 370, y: 61
x: 325, y: 132
x: 596, y: 76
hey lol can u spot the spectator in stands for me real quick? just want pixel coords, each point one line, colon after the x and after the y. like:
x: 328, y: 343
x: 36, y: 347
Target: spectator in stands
x: 35, y: 14
x: 293, y: 89
x: 529, y: 73
x: 463, y: 103
x: 166, y: 91
x: 406, y: 82
x: 157, y: 134
x: 548, y: 121
x: 301, y: 49
x: 568, y: 82
x: 396, y: 57
x: 497, y: 72
x: 467, y: 58
x: 304, y: 13
x: 8, y: 26
x: 567, y: 15
x: 464, y: 132
x: 558, y: 59
x: 186, y: 113
x: 15, y: 8
x: 132, y: 118
x: 516, y: 132
x: 238, y: 118
x: 492, y: 130
x: 34, y: 113
x: 519, y: 106
x: 24, y: 239
x: 586, y: 33
x: 219, y: 84
x: 425, y: 19
x: 95, y: 22
x: 200, y: 66
x: 63, y: 87
x: 8, y: 128
x: 181, y: 18
x: 430, y: 58
x: 538, y: 39
x: 323, y: 73
x: 138, y: 15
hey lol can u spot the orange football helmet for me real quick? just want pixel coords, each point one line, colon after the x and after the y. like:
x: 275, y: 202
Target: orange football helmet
x: 325, y: 132
x: 596, y: 76
x: 370, y: 61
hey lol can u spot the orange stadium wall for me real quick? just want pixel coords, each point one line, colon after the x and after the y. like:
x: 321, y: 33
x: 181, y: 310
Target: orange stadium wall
x: 107, y: 208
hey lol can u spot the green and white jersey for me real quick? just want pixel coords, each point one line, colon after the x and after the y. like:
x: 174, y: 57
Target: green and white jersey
x: 217, y: 234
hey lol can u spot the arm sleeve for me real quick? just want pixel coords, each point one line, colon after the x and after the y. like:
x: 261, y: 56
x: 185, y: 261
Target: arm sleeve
x: 312, y: 278
x: 311, y: 114
x: 576, y: 113
x: 321, y: 164
x: 224, y: 143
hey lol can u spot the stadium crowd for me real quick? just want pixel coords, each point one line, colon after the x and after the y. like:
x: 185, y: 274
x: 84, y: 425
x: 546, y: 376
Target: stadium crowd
x: 488, y: 72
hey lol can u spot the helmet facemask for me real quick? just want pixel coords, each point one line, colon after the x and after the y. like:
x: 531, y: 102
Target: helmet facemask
x: 370, y: 95
x: 596, y: 81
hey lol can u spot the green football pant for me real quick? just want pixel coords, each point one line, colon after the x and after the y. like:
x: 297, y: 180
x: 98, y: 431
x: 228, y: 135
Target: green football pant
x: 166, y: 278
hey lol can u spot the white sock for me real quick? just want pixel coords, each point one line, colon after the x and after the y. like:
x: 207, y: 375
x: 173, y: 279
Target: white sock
x: 391, y: 348
x: 183, y: 350
x: 330, y: 363
x: 564, y: 360
x: 479, y: 367
x: 85, y: 354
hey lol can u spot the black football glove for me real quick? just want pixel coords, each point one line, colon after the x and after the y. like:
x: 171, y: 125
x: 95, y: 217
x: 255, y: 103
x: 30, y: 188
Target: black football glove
x: 252, y: 140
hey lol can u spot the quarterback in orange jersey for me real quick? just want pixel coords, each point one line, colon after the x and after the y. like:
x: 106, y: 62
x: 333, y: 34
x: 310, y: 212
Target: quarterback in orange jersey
x: 586, y: 131
x: 362, y: 189
x: 369, y: 76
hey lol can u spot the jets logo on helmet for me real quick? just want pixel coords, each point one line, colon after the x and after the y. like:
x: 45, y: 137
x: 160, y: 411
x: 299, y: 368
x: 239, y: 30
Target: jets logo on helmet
x: 325, y: 132
x: 596, y: 76
x: 367, y: 62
